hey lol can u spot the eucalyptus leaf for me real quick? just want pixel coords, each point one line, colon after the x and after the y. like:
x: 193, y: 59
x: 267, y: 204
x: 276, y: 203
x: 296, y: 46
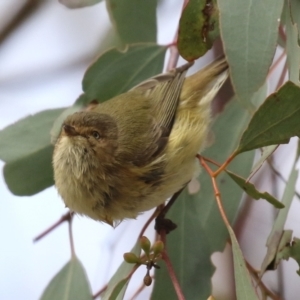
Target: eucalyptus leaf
x: 277, y: 229
x: 251, y: 190
x: 134, y: 20
x: 201, y: 231
x: 70, y: 283
x: 78, y: 3
x: 27, y: 136
x: 249, y: 31
x: 118, y: 283
x: 26, y: 148
x: 198, y: 28
x: 292, y: 36
x: 243, y: 284
x: 294, y: 252
x: 30, y: 174
x: 276, y: 120
x: 115, y: 72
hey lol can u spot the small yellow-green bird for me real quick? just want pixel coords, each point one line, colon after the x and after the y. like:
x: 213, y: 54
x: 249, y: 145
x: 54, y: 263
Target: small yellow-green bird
x: 132, y: 152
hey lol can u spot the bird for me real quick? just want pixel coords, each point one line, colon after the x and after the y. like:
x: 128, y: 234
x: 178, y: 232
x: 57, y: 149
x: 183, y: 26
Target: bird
x: 131, y: 153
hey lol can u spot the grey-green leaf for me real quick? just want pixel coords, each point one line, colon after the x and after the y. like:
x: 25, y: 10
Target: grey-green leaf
x: 134, y: 20
x: 243, y: 284
x: 115, y: 72
x: 78, y: 3
x: 277, y: 230
x: 291, y: 10
x: 249, y: 31
x: 276, y: 120
x: 251, y: 190
x: 70, y: 283
x: 27, y: 136
x: 30, y: 174
x: 25, y: 147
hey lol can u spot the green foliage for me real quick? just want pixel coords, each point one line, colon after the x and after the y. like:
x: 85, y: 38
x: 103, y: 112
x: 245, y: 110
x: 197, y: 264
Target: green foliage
x: 25, y: 147
x: 115, y: 72
x: 275, y: 122
x: 244, y: 287
x: 134, y: 20
x: 250, y: 189
x: 70, y: 283
x: 249, y: 31
x: 198, y: 28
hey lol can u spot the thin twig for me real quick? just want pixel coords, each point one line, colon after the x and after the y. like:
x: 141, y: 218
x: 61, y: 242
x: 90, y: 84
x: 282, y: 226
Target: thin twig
x: 174, y: 54
x: 64, y: 218
x: 152, y: 217
x: 276, y: 63
x: 277, y: 173
x: 71, y: 237
x: 100, y: 292
x: 172, y: 275
x: 29, y: 7
x: 260, y: 283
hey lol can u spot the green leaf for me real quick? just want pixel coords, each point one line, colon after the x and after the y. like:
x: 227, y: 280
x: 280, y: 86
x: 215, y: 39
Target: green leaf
x: 134, y: 20
x: 118, y: 283
x: 277, y: 229
x: 198, y: 28
x: 30, y: 174
x: 295, y: 252
x: 249, y: 31
x: 292, y: 35
x: 116, y: 72
x: 243, y: 284
x: 201, y: 230
x: 27, y: 136
x: 25, y: 147
x: 69, y: 283
x: 250, y: 189
x: 78, y: 3
x: 275, y: 122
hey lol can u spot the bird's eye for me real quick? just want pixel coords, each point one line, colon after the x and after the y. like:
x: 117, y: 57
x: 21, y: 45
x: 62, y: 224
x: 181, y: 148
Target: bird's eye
x: 96, y: 135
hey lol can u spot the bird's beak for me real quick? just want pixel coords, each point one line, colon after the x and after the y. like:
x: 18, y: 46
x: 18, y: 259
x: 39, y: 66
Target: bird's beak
x: 69, y: 130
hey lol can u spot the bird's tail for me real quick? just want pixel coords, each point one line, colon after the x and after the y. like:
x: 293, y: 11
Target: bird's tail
x: 201, y: 87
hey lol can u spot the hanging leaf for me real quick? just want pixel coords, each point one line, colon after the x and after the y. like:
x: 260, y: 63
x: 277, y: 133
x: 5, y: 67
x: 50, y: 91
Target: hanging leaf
x: 277, y: 230
x: 243, y: 284
x: 78, y: 3
x: 276, y: 120
x: 26, y: 148
x: 134, y: 20
x: 292, y: 36
x: 198, y: 28
x: 250, y: 189
x: 115, y: 72
x: 249, y: 31
x: 70, y: 283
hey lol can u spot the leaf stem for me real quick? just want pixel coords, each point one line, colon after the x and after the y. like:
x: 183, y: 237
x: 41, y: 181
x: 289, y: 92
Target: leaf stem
x: 64, y: 218
x: 172, y: 275
x: 71, y: 237
x: 260, y: 283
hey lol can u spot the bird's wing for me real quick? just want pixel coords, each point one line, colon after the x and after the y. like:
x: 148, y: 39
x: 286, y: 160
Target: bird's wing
x: 164, y: 91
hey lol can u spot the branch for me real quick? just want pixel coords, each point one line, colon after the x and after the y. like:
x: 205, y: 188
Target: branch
x: 65, y: 218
